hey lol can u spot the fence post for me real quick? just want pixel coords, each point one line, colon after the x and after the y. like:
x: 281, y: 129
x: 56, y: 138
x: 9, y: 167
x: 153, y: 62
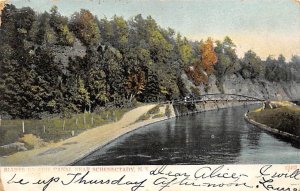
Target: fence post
x: 64, y: 124
x: 23, y: 127
x: 44, y: 129
x: 84, y: 121
x: 92, y: 120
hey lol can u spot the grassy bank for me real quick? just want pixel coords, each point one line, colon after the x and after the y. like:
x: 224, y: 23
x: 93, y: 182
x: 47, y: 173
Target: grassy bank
x: 285, y: 118
x: 70, y: 150
x: 156, y: 112
x: 38, y: 133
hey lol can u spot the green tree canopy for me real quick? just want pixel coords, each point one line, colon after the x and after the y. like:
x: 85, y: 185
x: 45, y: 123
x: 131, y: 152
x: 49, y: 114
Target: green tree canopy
x: 85, y: 27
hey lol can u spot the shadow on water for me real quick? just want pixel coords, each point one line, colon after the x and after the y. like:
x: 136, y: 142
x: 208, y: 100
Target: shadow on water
x: 214, y: 137
x: 294, y: 143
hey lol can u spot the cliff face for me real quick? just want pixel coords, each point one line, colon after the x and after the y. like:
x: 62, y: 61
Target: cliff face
x: 257, y: 88
x: 262, y: 88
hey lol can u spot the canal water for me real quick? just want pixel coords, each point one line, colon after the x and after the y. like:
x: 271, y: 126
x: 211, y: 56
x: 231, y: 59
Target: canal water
x: 213, y: 137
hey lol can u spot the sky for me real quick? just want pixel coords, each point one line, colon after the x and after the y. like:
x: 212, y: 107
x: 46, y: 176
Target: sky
x: 268, y: 27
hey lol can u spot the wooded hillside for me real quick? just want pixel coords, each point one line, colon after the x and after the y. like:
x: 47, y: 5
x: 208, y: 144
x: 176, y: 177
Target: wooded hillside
x: 52, y: 64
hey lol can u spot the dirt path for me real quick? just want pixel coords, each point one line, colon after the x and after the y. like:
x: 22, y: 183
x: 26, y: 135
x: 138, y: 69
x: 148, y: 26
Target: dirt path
x: 69, y: 150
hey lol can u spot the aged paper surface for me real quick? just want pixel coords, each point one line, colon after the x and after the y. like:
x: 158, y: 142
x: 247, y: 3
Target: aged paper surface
x: 181, y: 178
x: 144, y: 95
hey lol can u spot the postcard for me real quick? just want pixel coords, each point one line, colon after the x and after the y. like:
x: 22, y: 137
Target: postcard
x: 149, y: 95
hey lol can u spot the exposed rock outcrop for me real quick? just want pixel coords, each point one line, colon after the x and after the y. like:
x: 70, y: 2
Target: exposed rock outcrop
x: 63, y: 53
x: 260, y: 88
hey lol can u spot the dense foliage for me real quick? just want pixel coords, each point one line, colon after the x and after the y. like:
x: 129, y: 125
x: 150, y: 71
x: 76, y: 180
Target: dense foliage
x: 119, y: 61
x: 51, y: 64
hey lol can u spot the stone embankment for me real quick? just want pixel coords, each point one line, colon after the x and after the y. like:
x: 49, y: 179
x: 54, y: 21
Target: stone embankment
x: 192, y: 108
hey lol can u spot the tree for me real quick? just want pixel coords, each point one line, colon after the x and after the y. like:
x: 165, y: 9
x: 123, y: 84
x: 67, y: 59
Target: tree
x: 16, y: 25
x: 135, y: 84
x: 281, y: 60
x: 271, y: 68
x: 203, y: 66
x: 83, y: 96
x: 228, y: 62
x: 295, y: 67
x: 151, y: 91
x: 95, y: 78
x: 85, y: 27
x: 160, y: 48
x: 121, y: 32
x: 252, y: 66
x: 46, y: 83
x: 45, y: 33
x: 208, y: 56
x: 16, y: 69
x: 9, y: 87
x: 295, y: 59
x: 184, y: 49
x: 106, y: 31
x: 145, y: 33
x: 278, y: 70
x: 60, y: 26
x: 112, y: 65
x: 138, y: 34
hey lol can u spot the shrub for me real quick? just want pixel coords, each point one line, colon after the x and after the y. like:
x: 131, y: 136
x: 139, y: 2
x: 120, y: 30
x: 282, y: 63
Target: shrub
x: 144, y: 117
x: 197, y: 75
x: 158, y: 115
x: 195, y: 91
x: 206, y: 88
x: 154, y: 110
x: 219, y: 85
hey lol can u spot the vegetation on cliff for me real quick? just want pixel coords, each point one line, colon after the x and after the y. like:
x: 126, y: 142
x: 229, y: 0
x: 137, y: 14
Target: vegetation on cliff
x: 52, y: 64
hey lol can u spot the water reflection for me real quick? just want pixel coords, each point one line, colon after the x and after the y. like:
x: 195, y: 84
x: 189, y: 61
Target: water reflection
x: 253, y: 137
x: 213, y: 137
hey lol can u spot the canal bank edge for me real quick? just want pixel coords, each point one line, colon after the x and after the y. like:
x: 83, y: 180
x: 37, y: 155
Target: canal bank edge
x: 131, y: 128
x: 270, y: 129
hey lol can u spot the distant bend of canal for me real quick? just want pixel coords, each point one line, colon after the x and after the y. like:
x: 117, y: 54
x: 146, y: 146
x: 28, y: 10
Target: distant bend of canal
x: 213, y: 137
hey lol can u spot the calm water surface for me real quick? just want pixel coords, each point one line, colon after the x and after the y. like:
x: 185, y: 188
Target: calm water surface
x: 214, y: 137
